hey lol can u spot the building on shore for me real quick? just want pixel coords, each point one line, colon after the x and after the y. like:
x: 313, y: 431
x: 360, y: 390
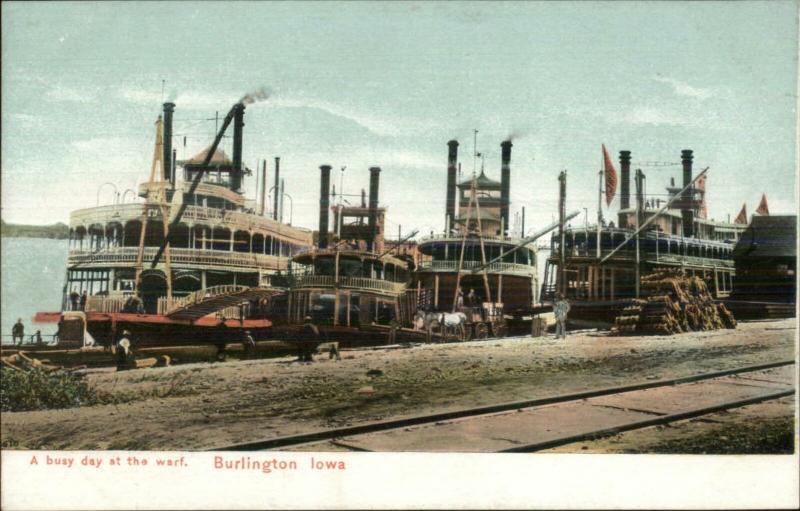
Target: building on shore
x: 766, y: 260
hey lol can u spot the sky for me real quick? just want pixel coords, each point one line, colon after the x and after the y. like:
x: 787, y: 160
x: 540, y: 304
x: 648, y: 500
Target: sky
x: 389, y: 83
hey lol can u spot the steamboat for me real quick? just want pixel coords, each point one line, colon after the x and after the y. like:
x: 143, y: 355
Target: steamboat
x: 350, y: 285
x: 474, y: 267
x: 192, y: 261
x: 599, y: 267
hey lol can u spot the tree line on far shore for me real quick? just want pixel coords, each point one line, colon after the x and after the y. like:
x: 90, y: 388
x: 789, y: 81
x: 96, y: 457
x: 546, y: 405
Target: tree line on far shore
x: 57, y: 231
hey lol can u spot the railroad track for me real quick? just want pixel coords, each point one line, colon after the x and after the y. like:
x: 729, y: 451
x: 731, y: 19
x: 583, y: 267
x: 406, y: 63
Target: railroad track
x: 542, y: 423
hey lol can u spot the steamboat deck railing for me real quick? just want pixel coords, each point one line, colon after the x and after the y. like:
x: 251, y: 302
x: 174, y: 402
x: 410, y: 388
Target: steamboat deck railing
x: 498, y: 267
x: 213, y: 217
x: 126, y: 256
x: 384, y: 286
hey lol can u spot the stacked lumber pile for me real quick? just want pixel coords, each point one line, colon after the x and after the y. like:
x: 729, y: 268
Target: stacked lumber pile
x: 674, y: 303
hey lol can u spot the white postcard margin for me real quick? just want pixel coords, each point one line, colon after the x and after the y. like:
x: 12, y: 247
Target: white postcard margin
x: 171, y: 480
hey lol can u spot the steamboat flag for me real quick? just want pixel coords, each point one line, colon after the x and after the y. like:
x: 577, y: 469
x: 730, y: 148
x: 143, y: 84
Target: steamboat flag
x: 700, y: 185
x: 763, y: 209
x: 611, y: 177
x: 742, y: 217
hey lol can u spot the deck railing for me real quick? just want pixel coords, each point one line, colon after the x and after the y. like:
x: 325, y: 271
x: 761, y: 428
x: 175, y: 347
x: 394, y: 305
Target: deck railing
x: 166, y: 305
x: 180, y: 256
x: 112, y: 303
x: 469, y: 265
x: 692, y: 260
x: 233, y: 220
x: 350, y: 282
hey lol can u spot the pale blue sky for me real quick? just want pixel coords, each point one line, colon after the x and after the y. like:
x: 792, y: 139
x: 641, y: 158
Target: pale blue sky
x: 361, y: 84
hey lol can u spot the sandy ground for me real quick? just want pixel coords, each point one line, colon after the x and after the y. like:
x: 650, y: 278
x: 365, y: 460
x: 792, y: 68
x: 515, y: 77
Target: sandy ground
x: 201, y: 406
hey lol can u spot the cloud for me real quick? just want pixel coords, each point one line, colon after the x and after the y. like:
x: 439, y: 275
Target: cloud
x: 191, y: 100
x: 646, y: 115
x: 27, y: 120
x: 684, y: 89
x: 381, y: 125
x: 99, y: 148
x: 62, y: 93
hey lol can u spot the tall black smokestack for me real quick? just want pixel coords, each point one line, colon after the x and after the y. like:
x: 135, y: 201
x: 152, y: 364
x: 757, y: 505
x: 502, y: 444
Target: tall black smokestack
x: 262, y: 202
x: 505, y: 184
x: 450, y: 203
x: 324, y: 204
x: 625, y: 185
x: 167, y: 142
x: 277, y: 186
x: 687, y: 213
x: 374, y: 182
x: 238, y: 130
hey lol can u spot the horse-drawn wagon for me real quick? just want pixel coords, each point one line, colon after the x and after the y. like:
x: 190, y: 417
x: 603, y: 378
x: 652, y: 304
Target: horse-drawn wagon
x: 466, y: 324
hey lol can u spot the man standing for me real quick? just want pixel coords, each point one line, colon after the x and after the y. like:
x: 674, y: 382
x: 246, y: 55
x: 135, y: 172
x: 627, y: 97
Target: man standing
x: 249, y: 345
x: 561, y: 309
x: 73, y: 300
x: 125, y: 358
x: 472, y: 299
x: 84, y: 297
x: 18, y: 330
x: 309, y: 341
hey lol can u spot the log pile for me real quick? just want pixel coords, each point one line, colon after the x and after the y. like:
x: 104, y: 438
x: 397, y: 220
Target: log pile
x: 674, y: 303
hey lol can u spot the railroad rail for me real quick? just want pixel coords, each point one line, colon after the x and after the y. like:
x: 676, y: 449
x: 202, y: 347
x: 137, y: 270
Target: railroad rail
x: 344, y: 437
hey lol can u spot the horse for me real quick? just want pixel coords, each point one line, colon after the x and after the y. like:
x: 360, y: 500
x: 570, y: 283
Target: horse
x: 448, y: 322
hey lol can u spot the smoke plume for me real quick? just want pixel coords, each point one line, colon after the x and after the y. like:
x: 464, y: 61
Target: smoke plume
x: 515, y: 134
x: 252, y: 97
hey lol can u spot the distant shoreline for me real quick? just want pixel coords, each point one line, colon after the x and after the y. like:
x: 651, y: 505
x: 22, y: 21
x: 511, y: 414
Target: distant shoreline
x: 58, y: 231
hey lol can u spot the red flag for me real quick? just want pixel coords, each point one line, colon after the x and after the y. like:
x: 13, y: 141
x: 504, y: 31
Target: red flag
x: 611, y: 176
x: 742, y: 217
x: 763, y: 209
x: 700, y: 185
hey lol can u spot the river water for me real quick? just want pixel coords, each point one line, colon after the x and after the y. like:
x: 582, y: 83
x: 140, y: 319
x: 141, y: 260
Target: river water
x: 33, y: 271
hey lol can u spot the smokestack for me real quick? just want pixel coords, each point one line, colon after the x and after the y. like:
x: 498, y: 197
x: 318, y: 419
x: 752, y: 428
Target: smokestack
x: 687, y: 213
x: 374, y: 177
x: 450, y: 203
x: 277, y: 184
x: 174, y: 165
x: 625, y: 175
x: 324, y: 189
x: 280, y: 217
x: 166, y: 159
x: 505, y: 184
x: 625, y: 185
x: 238, y: 125
x: 263, y: 201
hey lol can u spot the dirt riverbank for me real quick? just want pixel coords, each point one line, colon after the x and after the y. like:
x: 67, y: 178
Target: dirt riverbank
x: 201, y: 406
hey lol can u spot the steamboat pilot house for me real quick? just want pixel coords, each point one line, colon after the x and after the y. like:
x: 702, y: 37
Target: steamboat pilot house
x: 222, y: 238
x: 350, y: 281
x: 680, y: 238
x: 482, y: 221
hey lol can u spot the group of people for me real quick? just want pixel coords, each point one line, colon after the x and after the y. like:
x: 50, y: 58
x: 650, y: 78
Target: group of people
x: 78, y: 301
x: 18, y: 332
x: 471, y: 300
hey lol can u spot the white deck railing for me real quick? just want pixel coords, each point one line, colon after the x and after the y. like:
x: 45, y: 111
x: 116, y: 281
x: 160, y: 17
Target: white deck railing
x: 350, y: 282
x: 180, y: 256
x: 469, y: 265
